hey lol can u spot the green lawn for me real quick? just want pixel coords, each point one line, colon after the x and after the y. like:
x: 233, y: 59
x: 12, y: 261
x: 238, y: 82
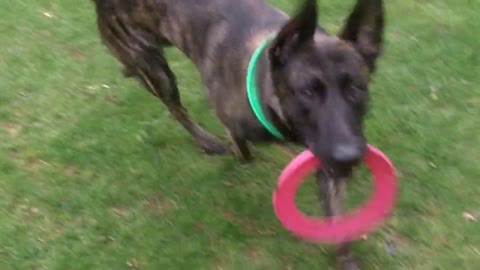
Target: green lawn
x: 94, y: 174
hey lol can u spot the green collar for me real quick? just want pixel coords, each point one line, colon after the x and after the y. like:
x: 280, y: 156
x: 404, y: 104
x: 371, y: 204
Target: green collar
x: 252, y: 92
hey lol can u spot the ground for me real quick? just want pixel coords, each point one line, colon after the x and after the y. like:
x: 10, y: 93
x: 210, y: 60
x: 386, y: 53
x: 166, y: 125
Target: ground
x: 94, y: 173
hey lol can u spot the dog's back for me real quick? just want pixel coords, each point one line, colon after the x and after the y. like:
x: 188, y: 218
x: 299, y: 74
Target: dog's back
x: 194, y: 26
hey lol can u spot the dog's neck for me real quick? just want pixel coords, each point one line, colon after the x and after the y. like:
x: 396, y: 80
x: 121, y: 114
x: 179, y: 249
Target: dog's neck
x: 270, y: 102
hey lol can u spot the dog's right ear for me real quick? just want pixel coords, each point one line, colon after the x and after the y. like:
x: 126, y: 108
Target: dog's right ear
x: 300, y: 29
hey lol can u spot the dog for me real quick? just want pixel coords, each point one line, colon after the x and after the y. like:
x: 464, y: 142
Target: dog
x: 313, y: 86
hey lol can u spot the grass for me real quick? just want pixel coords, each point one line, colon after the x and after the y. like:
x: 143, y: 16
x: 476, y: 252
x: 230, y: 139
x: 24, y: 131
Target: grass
x: 94, y: 174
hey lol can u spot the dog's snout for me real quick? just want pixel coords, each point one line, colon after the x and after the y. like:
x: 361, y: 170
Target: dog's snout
x: 347, y: 152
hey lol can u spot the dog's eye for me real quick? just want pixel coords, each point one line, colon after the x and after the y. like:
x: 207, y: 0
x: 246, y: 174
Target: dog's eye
x: 356, y: 93
x: 314, y: 88
x: 307, y: 92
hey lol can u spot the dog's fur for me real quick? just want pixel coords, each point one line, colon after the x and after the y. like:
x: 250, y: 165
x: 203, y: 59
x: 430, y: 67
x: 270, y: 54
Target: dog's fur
x: 313, y: 86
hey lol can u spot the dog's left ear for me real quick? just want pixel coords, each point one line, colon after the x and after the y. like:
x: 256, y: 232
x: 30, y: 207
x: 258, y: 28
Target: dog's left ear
x: 364, y: 29
x: 299, y: 30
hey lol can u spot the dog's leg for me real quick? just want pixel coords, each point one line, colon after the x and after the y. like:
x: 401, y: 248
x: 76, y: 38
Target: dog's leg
x: 240, y: 148
x: 243, y: 149
x: 332, y: 191
x: 141, y: 54
x: 160, y: 80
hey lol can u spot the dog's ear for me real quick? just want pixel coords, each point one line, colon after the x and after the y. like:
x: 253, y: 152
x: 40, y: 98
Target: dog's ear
x: 300, y: 29
x: 364, y: 29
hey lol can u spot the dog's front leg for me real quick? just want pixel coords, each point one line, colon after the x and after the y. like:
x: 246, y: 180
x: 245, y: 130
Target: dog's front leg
x: 332, y: 193
x: 240, y: 148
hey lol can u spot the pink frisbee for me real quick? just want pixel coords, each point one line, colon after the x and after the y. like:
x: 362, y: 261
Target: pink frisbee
x: 348, y: 227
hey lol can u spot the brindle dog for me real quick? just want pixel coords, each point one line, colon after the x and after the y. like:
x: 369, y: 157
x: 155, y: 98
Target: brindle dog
x: 313, y: 85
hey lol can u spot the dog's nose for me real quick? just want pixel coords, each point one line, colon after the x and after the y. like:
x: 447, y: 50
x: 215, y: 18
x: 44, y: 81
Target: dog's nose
x: 346, y: 153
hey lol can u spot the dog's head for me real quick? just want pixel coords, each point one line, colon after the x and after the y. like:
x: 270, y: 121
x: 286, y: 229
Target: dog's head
x: 322, y: 80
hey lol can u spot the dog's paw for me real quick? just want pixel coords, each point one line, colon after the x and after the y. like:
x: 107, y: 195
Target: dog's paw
x: 242, y: 152
x: 244, y: 159
x: 215, y: 147
x: 210, y: 144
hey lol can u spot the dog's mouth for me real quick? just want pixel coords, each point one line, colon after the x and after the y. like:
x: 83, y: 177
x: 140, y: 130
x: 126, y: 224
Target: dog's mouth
x: 341, y: 169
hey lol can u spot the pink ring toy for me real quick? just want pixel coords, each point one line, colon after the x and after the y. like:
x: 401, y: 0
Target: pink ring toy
x: 348, y: 227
